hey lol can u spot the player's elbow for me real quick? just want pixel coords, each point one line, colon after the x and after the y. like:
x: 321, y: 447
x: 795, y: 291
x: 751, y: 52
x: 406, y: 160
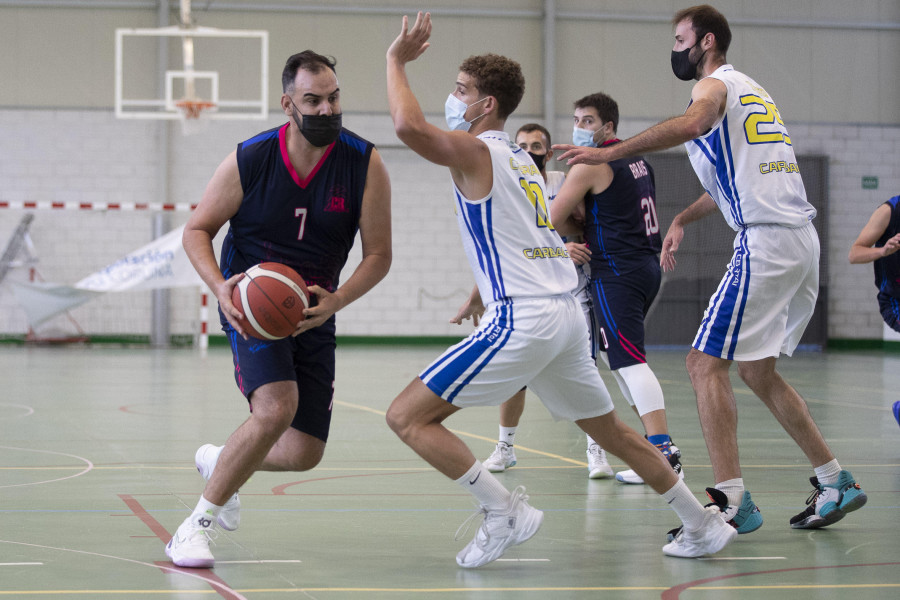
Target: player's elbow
x: 410, y: 133
x: 695, y: 128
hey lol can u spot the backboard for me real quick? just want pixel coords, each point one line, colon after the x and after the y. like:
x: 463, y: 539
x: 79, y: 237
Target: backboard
x: 158, y: 68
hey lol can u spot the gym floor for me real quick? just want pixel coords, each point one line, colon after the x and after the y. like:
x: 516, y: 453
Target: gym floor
x: 96, y: 472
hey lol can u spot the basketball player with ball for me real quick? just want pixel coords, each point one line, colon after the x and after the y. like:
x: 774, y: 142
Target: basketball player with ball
x: 294, y: 197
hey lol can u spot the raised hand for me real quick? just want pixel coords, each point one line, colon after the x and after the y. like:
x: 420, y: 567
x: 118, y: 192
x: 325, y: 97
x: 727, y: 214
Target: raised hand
x: 411, y: 43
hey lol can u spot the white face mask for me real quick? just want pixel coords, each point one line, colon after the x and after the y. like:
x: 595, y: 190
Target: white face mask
x: 583, y: 137
x: 455, y: 113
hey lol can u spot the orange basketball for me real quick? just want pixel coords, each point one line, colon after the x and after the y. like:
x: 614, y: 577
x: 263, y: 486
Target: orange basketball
x: 272, y: 297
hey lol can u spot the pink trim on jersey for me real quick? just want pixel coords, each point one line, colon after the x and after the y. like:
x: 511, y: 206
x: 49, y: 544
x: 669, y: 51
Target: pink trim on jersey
x: 282, y: 143
x: 631, y: 349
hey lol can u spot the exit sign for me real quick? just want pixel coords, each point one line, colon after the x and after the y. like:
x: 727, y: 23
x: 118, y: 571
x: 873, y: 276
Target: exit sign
x: 870, y: 182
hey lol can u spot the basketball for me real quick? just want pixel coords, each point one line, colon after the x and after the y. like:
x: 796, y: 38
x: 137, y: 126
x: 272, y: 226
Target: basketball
x: 272, y: 297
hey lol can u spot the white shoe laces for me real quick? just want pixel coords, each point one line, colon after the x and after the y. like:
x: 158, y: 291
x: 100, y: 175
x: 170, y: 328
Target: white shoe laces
x: 211, y: 534
x: 464, y: 528
x: 516, y: 496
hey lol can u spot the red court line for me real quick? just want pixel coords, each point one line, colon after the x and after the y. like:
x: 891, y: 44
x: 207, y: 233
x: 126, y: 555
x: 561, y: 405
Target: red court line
x: 279, y: 490
x: 224, y: 591
x: 163, y: 534
x: 674, y: 592
x: 141, y: 513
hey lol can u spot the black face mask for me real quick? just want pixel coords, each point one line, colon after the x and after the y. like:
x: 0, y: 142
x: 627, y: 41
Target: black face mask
x: 539, y: 160
x: 682, y: 66
x: 319, y: 130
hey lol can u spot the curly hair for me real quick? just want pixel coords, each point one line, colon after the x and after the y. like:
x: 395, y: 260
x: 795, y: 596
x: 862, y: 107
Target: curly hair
x: 499, y: 77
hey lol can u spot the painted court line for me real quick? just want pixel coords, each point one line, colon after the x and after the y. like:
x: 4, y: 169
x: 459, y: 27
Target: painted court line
x: 89, y: 464
x: 742, y: 558
x: 20, y: 564
x: 254, y: 562
x: 204, y: 575
x: 522, y: 560
x: 474, y: 436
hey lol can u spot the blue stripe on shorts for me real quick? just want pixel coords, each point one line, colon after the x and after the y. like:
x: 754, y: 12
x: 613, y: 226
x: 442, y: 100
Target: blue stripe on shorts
x: 477, y: 350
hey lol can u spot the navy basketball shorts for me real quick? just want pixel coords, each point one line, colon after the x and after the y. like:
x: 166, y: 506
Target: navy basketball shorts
x: 307, y: 359
x: 890, y: 310
x: 620, y: 304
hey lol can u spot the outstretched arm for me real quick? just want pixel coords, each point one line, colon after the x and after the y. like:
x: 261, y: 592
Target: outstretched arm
x: 702, y: 207
x: 862, y: 251
x: 462, y: 152
x: 707, y: 106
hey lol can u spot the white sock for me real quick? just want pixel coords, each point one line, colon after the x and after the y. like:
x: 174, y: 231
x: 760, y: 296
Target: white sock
x: 205, y: 514
x: 734, y: 489
x: 507, y: 435
x: 829, y: 472
x: 479, y: 482
x: 591, y: 442
x: 685, y: 505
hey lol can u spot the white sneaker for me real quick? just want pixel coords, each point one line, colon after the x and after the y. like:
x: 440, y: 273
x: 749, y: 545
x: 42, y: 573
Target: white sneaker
x: 674, y: 458
x: 205, y: 459
x: 631, y: 477
x: 712, y: 535
x: 500, y: 530
x: 189, y: 547
x: 598, y: 466
x: 502, y: 458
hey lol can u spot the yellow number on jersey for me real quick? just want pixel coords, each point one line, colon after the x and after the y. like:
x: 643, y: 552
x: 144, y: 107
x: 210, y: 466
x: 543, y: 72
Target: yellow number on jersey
x: 761, y: 127
x: 535, y: 196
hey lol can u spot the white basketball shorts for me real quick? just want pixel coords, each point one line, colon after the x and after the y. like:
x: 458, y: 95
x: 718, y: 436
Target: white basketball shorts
x: 541, y: 343
x: 768, y: 295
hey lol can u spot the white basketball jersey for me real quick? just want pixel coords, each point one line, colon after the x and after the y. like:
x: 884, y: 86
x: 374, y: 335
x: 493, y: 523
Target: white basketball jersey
x: 511, y: 246
x: 747, y: 163
x: 554, y: 183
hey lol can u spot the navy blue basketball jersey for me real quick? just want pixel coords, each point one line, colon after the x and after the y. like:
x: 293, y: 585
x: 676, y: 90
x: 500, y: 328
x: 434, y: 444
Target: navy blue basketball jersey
x: 308, y: 224
x: 621, y: 227
x: 887, y: 269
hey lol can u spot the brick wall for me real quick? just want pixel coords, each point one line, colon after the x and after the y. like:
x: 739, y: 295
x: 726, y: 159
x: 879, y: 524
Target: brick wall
x: 89, y: 156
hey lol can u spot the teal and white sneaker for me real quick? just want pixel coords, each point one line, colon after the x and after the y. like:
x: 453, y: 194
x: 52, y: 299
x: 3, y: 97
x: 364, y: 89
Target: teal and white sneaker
x: 830, y: 502
x: 746, y: 517
x: 205, y: 460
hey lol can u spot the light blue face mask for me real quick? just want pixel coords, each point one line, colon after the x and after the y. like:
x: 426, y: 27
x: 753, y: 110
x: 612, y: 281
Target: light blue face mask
x: 455, y: 113
x: 583, y: 137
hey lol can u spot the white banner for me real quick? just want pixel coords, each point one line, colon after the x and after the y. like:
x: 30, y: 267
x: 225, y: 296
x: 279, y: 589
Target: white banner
x: 160, y: 264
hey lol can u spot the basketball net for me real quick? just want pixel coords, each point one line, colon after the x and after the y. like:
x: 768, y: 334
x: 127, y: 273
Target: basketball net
x: 194, y: 115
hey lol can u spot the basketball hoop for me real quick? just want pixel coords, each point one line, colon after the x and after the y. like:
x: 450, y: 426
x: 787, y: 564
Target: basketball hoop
x: 194, y: 115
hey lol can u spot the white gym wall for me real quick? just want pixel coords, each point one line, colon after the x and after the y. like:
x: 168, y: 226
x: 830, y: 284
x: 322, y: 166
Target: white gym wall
x: 832, y: 70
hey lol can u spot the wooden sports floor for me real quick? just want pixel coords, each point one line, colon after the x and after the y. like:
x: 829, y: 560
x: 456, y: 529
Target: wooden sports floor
x: 96, y: 472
